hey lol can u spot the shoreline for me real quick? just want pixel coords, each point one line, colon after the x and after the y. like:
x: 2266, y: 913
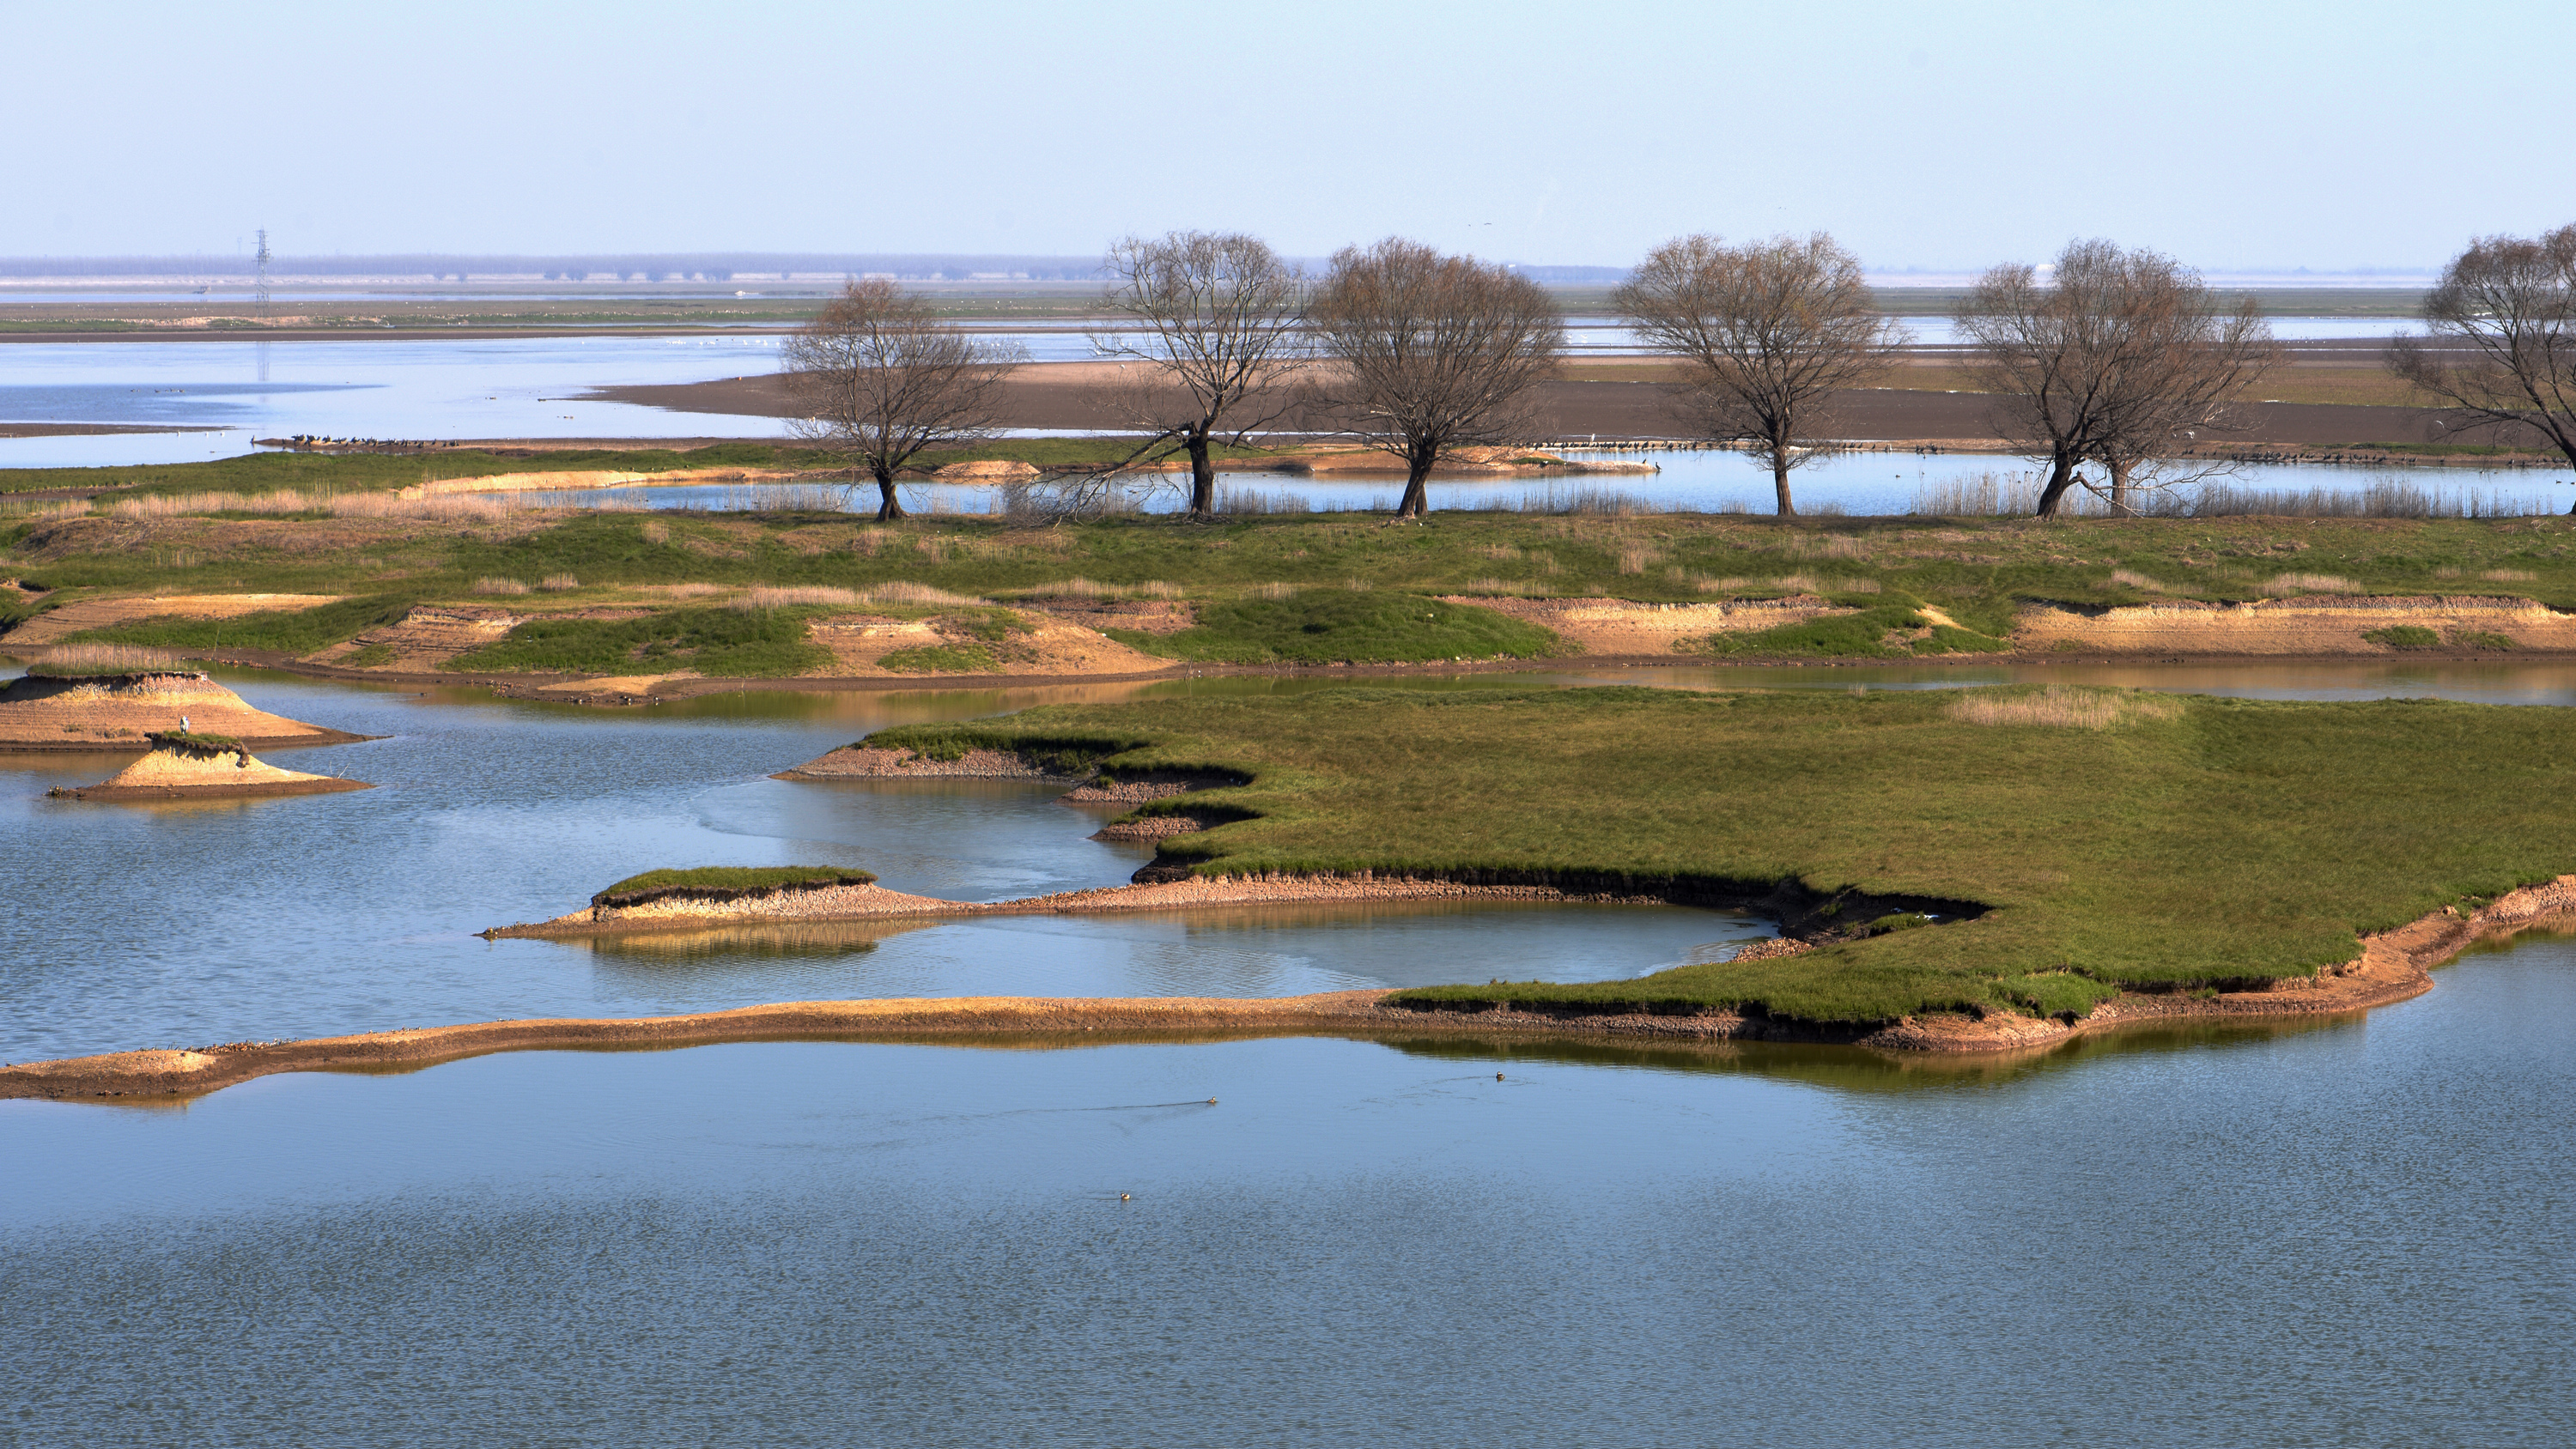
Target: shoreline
x: 2394, y: 966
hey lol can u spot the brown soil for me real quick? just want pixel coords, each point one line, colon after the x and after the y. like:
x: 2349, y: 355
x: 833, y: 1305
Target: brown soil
x: 850, y: 762
x: 2312, y: 625
x: 1070, y: 396
x: 86, y: 715
x: 1619, y: 627
x: 173, y: 770
x: 1051, y: 646
x: 431, y: 634
x: 2393, y: 966
x: 1144, y: 616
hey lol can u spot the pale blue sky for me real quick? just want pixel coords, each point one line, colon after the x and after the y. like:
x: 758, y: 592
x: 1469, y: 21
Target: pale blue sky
x: 2235, y: 135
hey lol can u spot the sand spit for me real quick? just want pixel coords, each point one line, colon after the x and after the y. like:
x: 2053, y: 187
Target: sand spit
x: 863, y: 902
x: 54, y: 715
x: 2392, y: 967
x: 2308, y: 625
x: 187, y: 770
x: 853, y: 762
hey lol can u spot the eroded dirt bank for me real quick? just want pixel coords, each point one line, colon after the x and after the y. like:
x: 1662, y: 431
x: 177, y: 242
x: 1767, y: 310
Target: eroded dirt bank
x: 2392, y: 967
x: 119, y: 711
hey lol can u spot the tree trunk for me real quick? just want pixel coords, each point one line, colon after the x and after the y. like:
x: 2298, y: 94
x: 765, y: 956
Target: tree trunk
x: 2061, y: 476
x: 1202, y: 476
x: 1417, y: 497
x: 2120, y: 487
x: 1780, y: 481
x: 889, y: 507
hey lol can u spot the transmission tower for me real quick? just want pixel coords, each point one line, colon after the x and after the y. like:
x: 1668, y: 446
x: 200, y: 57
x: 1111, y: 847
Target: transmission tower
x: 262, y: 284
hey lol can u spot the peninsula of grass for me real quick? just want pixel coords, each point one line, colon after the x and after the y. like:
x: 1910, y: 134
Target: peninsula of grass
x: 2071, y: 843
x: 726, y: 883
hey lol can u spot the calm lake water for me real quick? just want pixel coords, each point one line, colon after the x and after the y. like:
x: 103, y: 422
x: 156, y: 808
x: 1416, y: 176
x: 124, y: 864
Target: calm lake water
x: 2334, y: 1233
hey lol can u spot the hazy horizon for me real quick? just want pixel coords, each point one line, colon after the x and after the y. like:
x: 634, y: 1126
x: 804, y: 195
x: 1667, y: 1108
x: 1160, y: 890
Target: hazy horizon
x: 2244, y: 141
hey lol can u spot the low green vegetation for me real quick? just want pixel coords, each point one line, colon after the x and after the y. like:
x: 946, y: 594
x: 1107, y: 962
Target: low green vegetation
x: 727, y: 880
x: 1332, y: 626
x: 2405, y: 636
x: 1884, y: 627
x: 2480, y: 639
x: 1268, y: 588
x: 2166, y: 844
x: 194, y: 739
x: 366, y: 658
x: 285, y: 631
x: 727, y: 643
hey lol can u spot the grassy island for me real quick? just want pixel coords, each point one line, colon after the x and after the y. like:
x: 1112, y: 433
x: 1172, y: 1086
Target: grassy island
x: 726, y: 882
x: 2063, y: 844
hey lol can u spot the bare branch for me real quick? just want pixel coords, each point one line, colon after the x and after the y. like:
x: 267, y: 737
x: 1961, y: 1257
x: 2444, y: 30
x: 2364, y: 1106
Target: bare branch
x: 1767, y: 333
x: 2120, y: 357
x: 2510, y: 303
x: 879, y: 380
x: 1431, y: 353
x: 1218, y: 321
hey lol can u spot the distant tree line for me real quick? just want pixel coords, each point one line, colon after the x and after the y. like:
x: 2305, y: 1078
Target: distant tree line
x: 2115, y: 359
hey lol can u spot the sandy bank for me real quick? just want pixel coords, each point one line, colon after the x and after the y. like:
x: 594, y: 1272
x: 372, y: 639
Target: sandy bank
x: 177, y: 770
x: 45, y: 714
x: 1616, y: 627
x: 2315, y: 624
x: 2392, y: 967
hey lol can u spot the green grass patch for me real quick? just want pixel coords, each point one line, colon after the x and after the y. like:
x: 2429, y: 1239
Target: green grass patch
x: 727, y: 643
x: 2405, y: 636
x: 194, y: 739
x: 366, y: 658
x: 1862, y: 635
x: 286, y: 631
x: 2232, y: 843
x: 1332, y: 626
x: 941, y: 659
x: 719, y: 882
x: 2480, y: 639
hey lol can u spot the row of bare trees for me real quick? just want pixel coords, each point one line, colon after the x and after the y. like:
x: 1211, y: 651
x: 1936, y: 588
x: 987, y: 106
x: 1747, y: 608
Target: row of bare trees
x: 2117, y: 359
x: 1403, y: 348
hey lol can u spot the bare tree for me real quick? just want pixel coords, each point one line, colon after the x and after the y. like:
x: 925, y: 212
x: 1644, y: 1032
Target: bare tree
x: 2195, y: 360
x: 1431, y: 353
x: 1767, y: 333
x: 2112, y: 360
x: 878, y: 380
x: 2511, y: 305
x: 1218, y: 324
